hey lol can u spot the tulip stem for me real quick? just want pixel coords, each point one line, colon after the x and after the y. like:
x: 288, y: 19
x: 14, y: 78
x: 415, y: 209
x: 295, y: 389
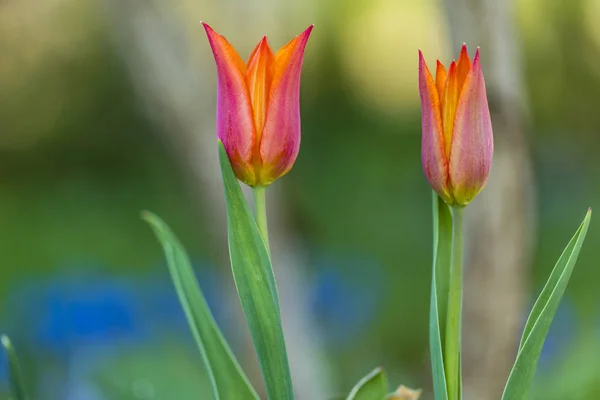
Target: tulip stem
x: 260, y: 213
x: 452, y: 350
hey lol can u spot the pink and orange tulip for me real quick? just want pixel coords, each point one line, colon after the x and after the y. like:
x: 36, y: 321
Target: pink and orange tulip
x: 457, y: 142
x: 258, y: 107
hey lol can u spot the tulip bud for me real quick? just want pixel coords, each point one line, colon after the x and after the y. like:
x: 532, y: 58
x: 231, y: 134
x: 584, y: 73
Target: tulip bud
x: 258, y: 107
x: 404, y: 393
x: 457, y: 142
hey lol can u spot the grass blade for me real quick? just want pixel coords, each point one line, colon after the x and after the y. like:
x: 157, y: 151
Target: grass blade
x: 17, y: 385
x: 541, y: 316
x: 440, y: 278
x: 255, y: 284
x: 227, y: 378
x: 373, y: 386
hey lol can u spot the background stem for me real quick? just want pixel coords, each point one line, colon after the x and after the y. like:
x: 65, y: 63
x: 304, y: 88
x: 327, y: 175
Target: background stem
x: 453, y: 319
x: 260, y: 213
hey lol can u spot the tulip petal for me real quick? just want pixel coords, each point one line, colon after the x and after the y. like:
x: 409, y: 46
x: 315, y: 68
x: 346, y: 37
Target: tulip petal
x: 449, y: 103
x: 235, y: 122
x: 280, y: 141
x: 433, y: 158
x: 440, y: 79
x: 472, y: 138
x: 463, y: 66
x: 258, y: 80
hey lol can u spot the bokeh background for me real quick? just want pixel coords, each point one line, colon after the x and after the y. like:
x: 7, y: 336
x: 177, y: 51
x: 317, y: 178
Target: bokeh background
x: 107, y: 108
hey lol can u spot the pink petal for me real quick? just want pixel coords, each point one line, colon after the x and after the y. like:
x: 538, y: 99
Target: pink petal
x: 433, y: 159
x: 235, y: 122
x: 280, y: 141
x: 472, y: 138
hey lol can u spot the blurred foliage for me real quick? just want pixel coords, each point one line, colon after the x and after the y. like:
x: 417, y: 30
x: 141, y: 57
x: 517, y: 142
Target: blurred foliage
x: 79, y: 160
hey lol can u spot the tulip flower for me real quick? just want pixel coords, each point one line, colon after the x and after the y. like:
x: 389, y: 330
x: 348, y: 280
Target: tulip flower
x: 258, y: 108
x: 457, y: 142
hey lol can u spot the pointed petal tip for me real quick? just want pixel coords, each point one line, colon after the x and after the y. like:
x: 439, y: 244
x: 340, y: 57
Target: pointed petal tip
x: 476, y: 61
x: 210, y: 32
x: 440, y: 67
x: 423, y: 68
x: 298, y: 43
x: 303, y: 36
x: 307, y: 31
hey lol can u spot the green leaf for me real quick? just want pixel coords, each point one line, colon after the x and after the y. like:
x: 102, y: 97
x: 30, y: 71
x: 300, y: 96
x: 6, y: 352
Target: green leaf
x: 16, y: 381
x: 227, y: 378
x: 373, y: 386
x: 255, y: 283
x: 440, y: 281
x: 541, y: 316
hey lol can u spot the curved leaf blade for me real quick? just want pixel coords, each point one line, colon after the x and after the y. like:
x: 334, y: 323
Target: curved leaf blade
x: 440, y: 281
x: 373, y: 386
x: 541, y: 316
x: 17, y: 385
x: 226, y: 375
x: 256, y: 287
x: 548, y: 288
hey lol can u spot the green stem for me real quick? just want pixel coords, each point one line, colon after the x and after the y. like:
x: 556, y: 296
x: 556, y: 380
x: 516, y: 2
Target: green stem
x: 452, y: 351
x: 260, y: 213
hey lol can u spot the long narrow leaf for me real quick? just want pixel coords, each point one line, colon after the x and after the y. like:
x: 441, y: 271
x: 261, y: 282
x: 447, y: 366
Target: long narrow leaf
x: 553, y: 280
x: 442, y: 248
x: 227, y: 378
x: 17, y: 385
x: 374, y: 386
x: 541, y: 316
x: 255, y: 283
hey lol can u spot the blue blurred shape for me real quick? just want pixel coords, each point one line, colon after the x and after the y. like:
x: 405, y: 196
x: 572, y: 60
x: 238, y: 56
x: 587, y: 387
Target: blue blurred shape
x: 89, y: 307
x: 84, y: 310
x: 347, y: 293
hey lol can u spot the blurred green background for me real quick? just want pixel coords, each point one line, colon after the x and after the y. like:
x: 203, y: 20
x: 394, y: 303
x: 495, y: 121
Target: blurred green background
x: 89, y: 137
